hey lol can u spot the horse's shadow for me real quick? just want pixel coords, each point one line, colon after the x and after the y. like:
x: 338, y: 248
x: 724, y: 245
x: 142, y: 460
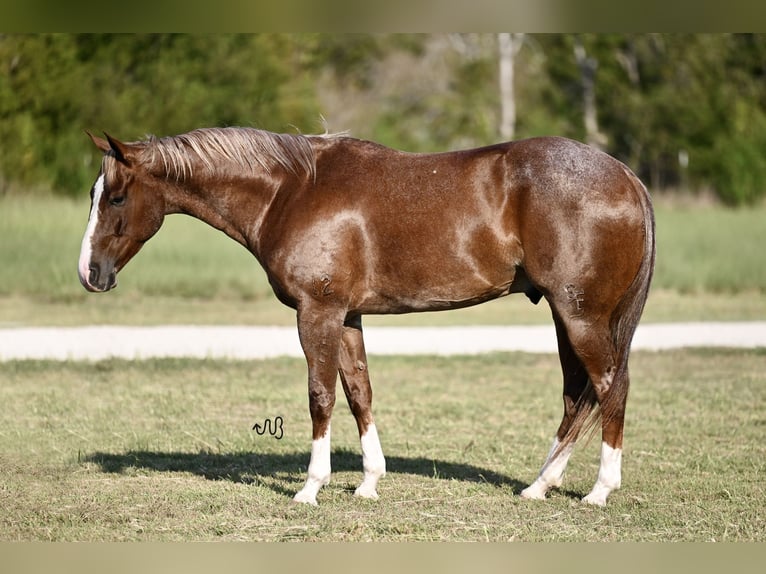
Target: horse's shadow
x: 283, y: 471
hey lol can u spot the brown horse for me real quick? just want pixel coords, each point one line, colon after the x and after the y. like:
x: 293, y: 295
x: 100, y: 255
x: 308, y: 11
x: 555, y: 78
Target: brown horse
x: 345, y: 227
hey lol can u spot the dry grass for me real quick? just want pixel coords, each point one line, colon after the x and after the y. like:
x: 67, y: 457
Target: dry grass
x: 163, y: 450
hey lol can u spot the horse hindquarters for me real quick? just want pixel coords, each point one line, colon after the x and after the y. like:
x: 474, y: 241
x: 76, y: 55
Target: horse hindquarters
x: 596, y: 284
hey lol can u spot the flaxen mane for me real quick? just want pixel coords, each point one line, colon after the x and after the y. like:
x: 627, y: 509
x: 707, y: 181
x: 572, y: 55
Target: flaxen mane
x: 217, y: 148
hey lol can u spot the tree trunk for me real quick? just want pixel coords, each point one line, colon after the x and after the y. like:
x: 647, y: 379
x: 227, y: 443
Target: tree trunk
x: 588, y: 67
x: 509, y: 45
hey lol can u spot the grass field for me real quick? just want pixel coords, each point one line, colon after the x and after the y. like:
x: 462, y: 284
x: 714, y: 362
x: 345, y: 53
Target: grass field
x: 711, y: 265
x: 163, y: 450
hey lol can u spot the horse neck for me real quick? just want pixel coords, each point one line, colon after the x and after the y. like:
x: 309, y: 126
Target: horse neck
x: 235, y: 207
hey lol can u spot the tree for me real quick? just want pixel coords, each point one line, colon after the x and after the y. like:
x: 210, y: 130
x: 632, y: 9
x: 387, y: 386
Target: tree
x: 680, y: 109
x: 509, y: 46
x: 54, y: 86
x: 588, y: 66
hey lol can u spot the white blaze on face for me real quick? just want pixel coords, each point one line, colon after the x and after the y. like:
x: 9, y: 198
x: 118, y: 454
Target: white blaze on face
x: 87, y: 246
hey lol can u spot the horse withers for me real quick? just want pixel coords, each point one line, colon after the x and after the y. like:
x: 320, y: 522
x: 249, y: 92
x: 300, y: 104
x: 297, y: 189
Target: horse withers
x: 344, y: 227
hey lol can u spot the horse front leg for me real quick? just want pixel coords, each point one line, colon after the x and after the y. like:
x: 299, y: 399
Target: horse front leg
x: 356, y: 385
x: 320, y: 333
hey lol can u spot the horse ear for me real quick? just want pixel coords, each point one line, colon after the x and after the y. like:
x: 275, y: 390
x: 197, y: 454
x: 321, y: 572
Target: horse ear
x: 120, y: 149
x: 100, y: 143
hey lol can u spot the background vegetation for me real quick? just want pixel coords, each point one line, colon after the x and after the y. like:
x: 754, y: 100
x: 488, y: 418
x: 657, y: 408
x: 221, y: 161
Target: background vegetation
x: 683, y: 110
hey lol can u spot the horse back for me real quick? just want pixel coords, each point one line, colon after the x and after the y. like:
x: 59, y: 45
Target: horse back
x: 396, y: 232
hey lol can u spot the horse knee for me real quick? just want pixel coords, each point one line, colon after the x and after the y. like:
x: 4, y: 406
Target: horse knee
x: 359, y: 400
x: 321, y: 397
x: 321, y: 402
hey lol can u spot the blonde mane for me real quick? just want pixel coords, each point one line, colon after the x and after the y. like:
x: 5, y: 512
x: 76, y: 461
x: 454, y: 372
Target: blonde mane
x: 217, y: 149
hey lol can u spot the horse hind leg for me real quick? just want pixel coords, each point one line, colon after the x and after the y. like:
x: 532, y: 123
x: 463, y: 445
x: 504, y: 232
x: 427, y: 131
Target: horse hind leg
x: 608, y: 378
x: 575, y: 404
x: 612, y: 425
x: 356, y: 385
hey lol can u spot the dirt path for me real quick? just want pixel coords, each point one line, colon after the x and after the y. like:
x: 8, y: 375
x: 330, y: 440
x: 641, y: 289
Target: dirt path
x: 262, y: 342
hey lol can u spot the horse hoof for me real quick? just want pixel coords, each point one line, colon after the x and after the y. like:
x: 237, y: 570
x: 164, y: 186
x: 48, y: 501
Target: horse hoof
x: 532, y: 493
x: 304, y: 498
x: 595, y: 500
x: 366, y: 493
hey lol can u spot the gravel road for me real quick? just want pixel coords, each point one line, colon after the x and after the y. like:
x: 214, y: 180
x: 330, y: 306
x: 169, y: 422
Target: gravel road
x: 99, y: 342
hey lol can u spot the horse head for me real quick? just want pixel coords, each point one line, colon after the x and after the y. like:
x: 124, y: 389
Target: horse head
x: 126, y: 210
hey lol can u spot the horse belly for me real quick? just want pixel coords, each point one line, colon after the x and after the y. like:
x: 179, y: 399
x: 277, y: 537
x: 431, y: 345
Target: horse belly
x: 426, y: 274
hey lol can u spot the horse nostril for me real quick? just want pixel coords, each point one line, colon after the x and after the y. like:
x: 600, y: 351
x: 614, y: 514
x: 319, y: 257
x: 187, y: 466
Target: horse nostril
x: 95, y: 271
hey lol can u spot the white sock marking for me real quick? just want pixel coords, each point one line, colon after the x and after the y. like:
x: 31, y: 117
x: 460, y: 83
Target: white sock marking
x: 551, y: 474
x: 319, y: 470
x: 373, y: 462
x: 86, y: 248
x: 609, y: 475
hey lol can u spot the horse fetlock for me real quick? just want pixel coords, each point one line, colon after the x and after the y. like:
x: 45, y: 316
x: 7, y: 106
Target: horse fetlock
x: 306, y: 497
x: 372, y: 474
x: 597, y: 496
x: 547, y: 480
x: 368, y: 489
x: 373, y: 462
x: 555, y: 481
x: 308, y: 494
x: 601, y: 490
x: 609, y: 475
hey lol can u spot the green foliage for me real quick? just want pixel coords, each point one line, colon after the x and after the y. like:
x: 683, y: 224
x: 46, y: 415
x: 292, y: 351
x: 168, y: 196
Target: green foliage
x: 736, y: 166
x: 714, y: 250
x: 55, y: 86
x: 661, y: 97
x: 683, y: 110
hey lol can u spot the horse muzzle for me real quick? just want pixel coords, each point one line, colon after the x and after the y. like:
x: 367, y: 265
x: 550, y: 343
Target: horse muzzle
x: 97, y: 280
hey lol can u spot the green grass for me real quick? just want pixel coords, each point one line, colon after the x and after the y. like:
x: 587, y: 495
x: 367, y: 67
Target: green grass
x: 711, y: 265
x: 163, y: 450
x: 40, y: 247
x: 134, y: 309
x: 711, y: 249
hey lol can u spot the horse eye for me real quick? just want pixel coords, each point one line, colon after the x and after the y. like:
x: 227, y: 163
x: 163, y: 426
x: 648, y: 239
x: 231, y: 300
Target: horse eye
x: 117, y: 200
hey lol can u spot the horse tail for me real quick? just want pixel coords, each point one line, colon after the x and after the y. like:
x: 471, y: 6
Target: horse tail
x: 628, y: 312
x: 623, y: 322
